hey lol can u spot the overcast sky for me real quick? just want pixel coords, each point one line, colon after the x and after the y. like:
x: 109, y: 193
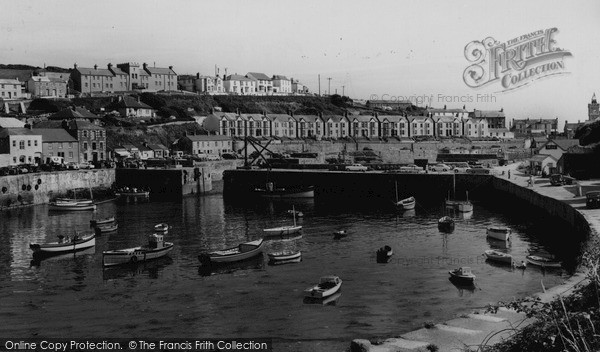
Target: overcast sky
x: 398, y: 48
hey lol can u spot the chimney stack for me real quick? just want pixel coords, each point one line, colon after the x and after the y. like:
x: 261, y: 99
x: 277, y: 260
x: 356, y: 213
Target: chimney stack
x: 109, y: 66
x: 95, y: 67
x: 170, y: 67
x: 75, y: 65
x: 198, y: 75
x: 144, y: 65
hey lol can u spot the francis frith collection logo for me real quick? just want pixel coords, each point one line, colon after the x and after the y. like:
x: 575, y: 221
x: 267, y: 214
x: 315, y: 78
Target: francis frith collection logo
x: 515, y: 63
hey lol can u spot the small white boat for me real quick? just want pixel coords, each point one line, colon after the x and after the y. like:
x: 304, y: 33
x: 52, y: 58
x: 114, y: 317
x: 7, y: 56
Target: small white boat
x: 235, y: 254
x: 104, y: 228
x: 327, y: 286
x: 284, y: 230
x: 498, y: 256
x: 64, y: 245
x: 543, y: 262
x: 339, y: 234
x: 163, y: 227
x: 384, y: 254
x: 284, y: 257
x: 463, y: 206
x: 73, y: 200
x: 498, y: 233
x: 446, y: 224
x: 270, y: 191
x: 463, y: 274
x: 156, y: 248
x: 407, y: 203
x: 104, y: 221
x: 71, y: 206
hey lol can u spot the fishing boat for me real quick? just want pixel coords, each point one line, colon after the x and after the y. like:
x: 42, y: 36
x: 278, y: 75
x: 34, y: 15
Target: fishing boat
x: 270, y: 191
x: 498, y: 233
x: 156, y: 248
x: 132, y: 192
x: 104, y: 221
x: 65, y: 244
x: 285, y: 257
x: 497, y: 256
x: 463, y: 206
x: 327, y: 286
x: 71, y: 206
x: 339, y: 234
x: 446, y: 224
x: 235, y: 254
x: 384, y: 254
x: 462, y: 274
x: 407, y: 203
x: 330, y: 300
x: 284, y: 230
x: 543, y: 261
x: 99, y: 229
x: 162, y: 227
x: 73, y: 200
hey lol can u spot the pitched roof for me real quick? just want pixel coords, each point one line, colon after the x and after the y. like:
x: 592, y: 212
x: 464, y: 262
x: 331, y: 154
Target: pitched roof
x: 90, y: 71
x: 258, y: 75
x: 73, y: 113
x: 130, y: 102
x: 10, y: 122
x: 55, y: 135
x: 10, y: 81
x: 17, y: 132
x: 391, y: 118
x: 157, y: 147
x: 160, y: 71
x: 541, y: 157
x: 280, y: 77
x: 308, y: 118
x: 237, y: 78
x: 204, y: 137
x: 362, y: 118
x: 82, y: 125
x: 334, y: 118
x: 563, y: 144
x: 280, y: 117
x: 48, y: 124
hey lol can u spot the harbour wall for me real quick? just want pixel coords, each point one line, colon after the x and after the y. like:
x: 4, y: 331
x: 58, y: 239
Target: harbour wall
x: 40, y: 188
x: 393, y: 151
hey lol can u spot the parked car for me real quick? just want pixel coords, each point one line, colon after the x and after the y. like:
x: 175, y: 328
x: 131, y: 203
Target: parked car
x: 72, y: 166
x: 229, y: 156
x: 480, y: 171
x: 213, y: 157
x: 356, y: 167
x: 410, y: 168
x: 559, y: 180
x: 460, y: 167
x: 439, y: 168
x: 592, y: 200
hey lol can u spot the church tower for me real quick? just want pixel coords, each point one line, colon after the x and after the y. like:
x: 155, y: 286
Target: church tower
x: 593, y: 109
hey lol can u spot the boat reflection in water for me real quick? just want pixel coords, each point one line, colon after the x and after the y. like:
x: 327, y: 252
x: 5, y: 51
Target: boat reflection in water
x: 254, y: 263
x: 152, y: 268
x: 465, y: 216
x: 327, y: 301
x: 409, y: 213
x: 497, y: 244
x: 39, y: 257
x: 462, y: 286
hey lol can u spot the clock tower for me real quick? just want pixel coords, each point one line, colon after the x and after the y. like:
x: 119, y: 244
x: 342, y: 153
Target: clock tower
x: 593, y: 109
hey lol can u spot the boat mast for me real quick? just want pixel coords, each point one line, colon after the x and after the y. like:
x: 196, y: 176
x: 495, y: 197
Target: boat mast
x: 294, y: 214
x: 396, y: 182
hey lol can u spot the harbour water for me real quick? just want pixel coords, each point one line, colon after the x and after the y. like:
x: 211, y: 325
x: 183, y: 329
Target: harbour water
x: 73, y: 296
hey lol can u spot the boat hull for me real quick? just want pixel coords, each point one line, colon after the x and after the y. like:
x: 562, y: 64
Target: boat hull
x: 285, y: 257
x: 286, y: 193
x: 234, y: 255
x: 58, y: 206
x: 315, y: 292
x: 543, y: 262
x: 498, y: 257
x: 55, y: 247
x: 102, y: 221
x: 106, y: 228
x: 461, y: 278
x: 134, y: 255
x: 282, y: 231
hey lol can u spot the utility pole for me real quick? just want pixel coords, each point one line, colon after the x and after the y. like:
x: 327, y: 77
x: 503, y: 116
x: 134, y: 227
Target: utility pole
x: 343, y: 90
x: 329, y: 88
x: 319, y: 85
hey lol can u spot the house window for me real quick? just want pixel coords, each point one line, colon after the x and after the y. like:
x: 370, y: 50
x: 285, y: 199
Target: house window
x: 29, y: 142
x: 14, y: 143
x: 49, y: 145
x: 85, y: 134
x: 35, y: 143
x: 60, y: 145
x: 85, y: 146
x: 70, y: 154
x: 21, y: 144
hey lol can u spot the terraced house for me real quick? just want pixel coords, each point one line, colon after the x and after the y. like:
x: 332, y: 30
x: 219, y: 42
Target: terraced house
x: 95, y: 80
x: 20, y: 146
x: 91, y: 138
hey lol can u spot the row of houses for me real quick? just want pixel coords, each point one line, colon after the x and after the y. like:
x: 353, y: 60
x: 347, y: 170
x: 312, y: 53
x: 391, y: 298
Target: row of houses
x: 356, y: 126
x: 75, y: 140
x: 253, y: 83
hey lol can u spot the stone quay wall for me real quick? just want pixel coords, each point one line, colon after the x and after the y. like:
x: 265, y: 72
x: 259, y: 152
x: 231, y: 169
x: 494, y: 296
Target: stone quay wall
x: 41, y: 188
